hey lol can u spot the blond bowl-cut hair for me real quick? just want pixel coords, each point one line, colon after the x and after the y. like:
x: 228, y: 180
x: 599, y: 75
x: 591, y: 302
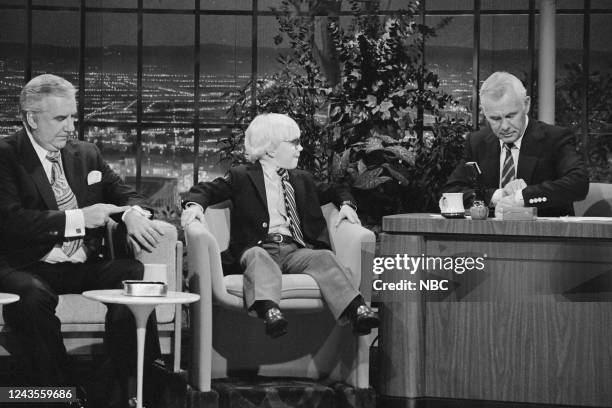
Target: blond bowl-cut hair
x: 265, y: 132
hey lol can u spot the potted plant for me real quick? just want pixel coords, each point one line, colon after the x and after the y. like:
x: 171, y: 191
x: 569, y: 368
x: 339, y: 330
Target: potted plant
x: 360, y: 93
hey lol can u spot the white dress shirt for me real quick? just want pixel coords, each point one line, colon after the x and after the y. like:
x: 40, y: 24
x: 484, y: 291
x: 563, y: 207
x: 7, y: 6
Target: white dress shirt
x: 75, y: 221
x: 279, y: 221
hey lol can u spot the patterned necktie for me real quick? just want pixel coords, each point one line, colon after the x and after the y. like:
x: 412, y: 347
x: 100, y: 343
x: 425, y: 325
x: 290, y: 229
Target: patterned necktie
x: 508, y: 169
x: 289, y: 195
x: 64, y: 196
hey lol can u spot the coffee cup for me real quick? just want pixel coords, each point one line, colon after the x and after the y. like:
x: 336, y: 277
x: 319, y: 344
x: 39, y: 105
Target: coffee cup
x: 451, y: 205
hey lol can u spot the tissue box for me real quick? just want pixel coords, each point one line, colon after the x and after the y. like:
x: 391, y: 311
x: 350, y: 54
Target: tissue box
x: 517, y: 214
x: 144, y: 288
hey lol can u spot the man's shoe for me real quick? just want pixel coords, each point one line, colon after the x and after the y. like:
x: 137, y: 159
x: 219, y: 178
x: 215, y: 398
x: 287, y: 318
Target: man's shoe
x: 275, y: 322
x: 365, y: 320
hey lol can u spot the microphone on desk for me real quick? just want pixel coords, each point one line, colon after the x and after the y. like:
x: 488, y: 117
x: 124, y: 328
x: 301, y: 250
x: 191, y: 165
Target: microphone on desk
x: 475, y: 177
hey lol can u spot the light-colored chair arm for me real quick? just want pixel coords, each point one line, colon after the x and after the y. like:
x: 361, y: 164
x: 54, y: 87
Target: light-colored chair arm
x: 349, y: 239
x: 203, y: 260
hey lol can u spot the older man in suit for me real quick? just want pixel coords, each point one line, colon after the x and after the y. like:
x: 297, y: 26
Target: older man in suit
x: 277, y: 226
x: 56, y: 195
x: 524, y: 162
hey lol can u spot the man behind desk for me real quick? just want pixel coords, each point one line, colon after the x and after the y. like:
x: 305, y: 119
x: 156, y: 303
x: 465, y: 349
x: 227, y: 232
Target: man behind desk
x: 56, y: 195
x: 524, y: 162
x: 277, y: 226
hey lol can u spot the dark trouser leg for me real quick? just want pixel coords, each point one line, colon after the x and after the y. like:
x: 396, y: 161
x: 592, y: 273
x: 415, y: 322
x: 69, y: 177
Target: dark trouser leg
x: 38, y: 329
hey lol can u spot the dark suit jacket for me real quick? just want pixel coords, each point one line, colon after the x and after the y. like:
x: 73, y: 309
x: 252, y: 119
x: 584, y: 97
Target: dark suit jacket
x: 244, y: 186
x: 30, y: 222
x: 554, y: 173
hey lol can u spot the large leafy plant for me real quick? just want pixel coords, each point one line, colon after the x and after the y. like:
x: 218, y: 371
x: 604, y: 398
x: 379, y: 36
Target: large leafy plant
x: 597, y: 146
x: 359, y: 92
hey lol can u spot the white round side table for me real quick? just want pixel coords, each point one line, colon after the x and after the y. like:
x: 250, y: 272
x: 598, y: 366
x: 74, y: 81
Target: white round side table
x: 141, y: 307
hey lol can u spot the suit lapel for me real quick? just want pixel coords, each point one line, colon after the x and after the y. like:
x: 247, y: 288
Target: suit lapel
x: 490, y: 159
x: 255, y: 173
x: 530, y: 151
x: 34, y: 168
x: 73, y: 170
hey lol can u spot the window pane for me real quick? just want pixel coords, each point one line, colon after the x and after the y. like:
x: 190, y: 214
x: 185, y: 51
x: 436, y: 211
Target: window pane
x: 225, y: 63
x: 112, y: 3
x: 568, y: 67
x: 267, y: 51
x: 55, y: 43
x: 62, y: 3
x: 449, y: 5
x: 169, y: 4
x: 167, y: 163
x: 168, y: 85
x: 504, y: 46
x: 226, y: 5
x: 110, y: 73
x: 12, y: 56
x: 504, y: 5
x: 600, y: 98
x: 210, y: 165
x: 393, y: 5
x: 449, y: 55
x: 601, y: 4
x: 118, y: 147
x: 570, y: 4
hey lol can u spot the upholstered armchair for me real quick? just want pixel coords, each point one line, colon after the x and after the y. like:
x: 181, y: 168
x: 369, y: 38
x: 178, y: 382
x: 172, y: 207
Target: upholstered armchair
x: 598, y: 202
x: 227, y: 342
x: 83, y: 319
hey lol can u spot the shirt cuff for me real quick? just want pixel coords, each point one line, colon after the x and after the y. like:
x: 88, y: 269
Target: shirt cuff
x: 191, y: 203
x: 75, y: 224
x: 139, y: 210
x: 350, y: 204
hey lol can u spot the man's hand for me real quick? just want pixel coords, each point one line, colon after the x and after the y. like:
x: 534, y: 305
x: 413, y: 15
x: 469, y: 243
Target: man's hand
x: 515, y: 185
x: 347, y: 212
x: 142, y: 232
x: 190, y: 214
x: 505, y: 202
x: 97, y: 215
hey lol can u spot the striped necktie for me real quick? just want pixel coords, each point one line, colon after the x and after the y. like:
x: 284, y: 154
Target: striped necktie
x: 508, y: 173
x: 64, y: 197
x: 289, y: 195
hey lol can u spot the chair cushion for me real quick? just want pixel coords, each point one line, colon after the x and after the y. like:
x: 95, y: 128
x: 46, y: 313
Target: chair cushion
x: 295, y: 286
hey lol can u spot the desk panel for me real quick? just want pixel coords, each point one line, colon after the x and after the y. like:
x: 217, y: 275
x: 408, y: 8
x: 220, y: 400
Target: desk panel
x: 535, y: 325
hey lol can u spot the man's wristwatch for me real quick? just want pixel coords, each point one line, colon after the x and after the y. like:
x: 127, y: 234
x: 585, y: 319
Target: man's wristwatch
x: 350, y: 204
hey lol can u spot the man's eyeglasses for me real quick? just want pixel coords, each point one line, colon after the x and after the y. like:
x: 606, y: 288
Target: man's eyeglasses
x: 294, y: 142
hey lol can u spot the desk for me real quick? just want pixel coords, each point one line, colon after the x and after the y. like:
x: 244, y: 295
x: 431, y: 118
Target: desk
x: 141, y: 307
x: 533, y: 326
x: 6, y: 298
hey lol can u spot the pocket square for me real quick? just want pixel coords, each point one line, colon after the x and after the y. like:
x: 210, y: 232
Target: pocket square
x: 94, y: 177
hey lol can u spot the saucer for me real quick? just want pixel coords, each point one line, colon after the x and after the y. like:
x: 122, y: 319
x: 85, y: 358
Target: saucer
x: 454, y: 215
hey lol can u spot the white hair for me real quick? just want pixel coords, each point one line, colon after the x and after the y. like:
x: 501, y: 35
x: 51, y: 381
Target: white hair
x: 265, y: 133
x: 41, y: 87
x: 499, y: 83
